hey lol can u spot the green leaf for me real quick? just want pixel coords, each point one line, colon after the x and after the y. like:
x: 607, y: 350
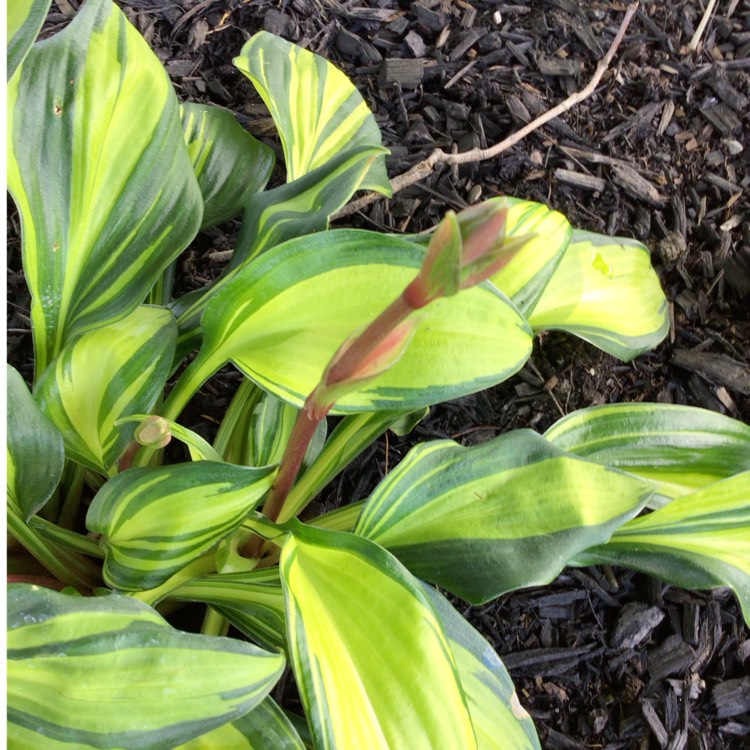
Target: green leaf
x: 500, y: 722
x: 371, y: 660
x: 316, y: 108
x: 109, y: 672
x: 698, y: 541
x: 605, y: 292
x: 36, y: 455
x: 100, y: 173
x: 106, y: 375
x: 25, y: 19
x: 495, y: 517
x: 677, y: 448
x: 525, y: 277
x: 156, y: 520
x: 284, y: 316
x: 266, y: 727
x: 229, y: 163
x: 253, y: 602
x: 274, y: 216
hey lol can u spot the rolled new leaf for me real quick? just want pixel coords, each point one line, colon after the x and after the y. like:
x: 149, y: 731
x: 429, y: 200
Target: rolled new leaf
x: 229, y: 163
x: 105, y: 376
x: 698, y: 541
x: 500, y: 721
x: 316, y: 108
x: 36, y: 454
x: 154, y: 521
x: 525, y: 277
x: 109, y: 672
x: 98, y: 168
x: 496, y: 517
x: 283, y: 317
x: 678, y: 448
x: 372, y: 663
x: 605, y: 291
x: 25, y: 20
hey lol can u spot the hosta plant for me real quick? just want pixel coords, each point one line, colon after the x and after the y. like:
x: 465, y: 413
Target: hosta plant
x: 340, y: 335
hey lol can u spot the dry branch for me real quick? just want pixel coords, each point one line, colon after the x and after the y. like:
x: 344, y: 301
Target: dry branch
x: 426, y: 166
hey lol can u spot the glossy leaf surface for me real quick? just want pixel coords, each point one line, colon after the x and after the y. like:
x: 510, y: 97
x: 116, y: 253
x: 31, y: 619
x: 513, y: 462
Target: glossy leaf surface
x: 106, y: 375
x: 500, y: 721
x: 229, y: 163
x: 317, y: 110
x: 282, y: 319
x: 700, y: 540
x: 372, y: 663
x: 109, y: 672
x: 499, y: 516
x: 36, y: 455
x: 678, y: 448
x: 154, y: 521
x: 100, y: 173
x: 25, y: 19
x: 605, y: 292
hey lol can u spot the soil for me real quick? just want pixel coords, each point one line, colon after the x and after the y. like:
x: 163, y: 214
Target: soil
x: 659, y: 153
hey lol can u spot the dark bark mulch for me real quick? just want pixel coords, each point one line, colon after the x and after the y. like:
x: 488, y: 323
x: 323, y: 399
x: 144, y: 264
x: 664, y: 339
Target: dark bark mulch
x: 601, y: 658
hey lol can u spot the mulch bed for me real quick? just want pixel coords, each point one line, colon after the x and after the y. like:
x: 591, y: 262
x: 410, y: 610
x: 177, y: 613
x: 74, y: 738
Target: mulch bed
x: 601, y: 658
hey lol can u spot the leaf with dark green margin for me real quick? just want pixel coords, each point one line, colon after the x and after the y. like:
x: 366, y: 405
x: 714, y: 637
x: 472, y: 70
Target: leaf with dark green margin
x: 317, y: 110
x: 372, y: 663
x: 109, y: 672
x: 266, y: 727
x: 500, y: 721
x: 154, y: 521
x: 605, y: 291
x: 283, y: 317
x: 229, y: 163
x: 698, y: 541
x: 100, y: 173
x: 678, y: 448
x: 25, y: 19
x: 252, y: 601
x: 499, y: 516
x: 104, y: 376
x: 36, y: 454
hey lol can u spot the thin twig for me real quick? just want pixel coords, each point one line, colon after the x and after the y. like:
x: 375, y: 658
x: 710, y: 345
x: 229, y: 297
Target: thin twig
x: 695, y: 41
x: 425, y: 167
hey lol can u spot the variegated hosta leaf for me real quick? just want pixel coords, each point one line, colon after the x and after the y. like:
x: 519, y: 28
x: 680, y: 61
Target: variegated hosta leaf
x: 500, y: 721
x: 253, y: 602
x: 316, y: 108
x: 605, y: 292
x: 274, y: 216
x: 229, y: 163
x: 109, y: 672
x: 154, y: 521
x: 372, y: 663
x: 100, y: 173
x: 499, y: 516
x: 266, y: 727
x: 699, y: 541
x: 25, y: 19
x: 36, y: 455
x: 106, y: 375
x: 678, y: 448
x: 524, y: 278
x: 284, y: 316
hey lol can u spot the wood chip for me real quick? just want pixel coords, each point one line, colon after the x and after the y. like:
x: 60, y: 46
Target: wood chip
x: 635, y: 624
x: 653, y: 720
x: 639, y: 187
x: 732, y: 697
x: 674, y: 656
x: 581, y: 179
x: 718, y: 368
x: 407, y: 73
